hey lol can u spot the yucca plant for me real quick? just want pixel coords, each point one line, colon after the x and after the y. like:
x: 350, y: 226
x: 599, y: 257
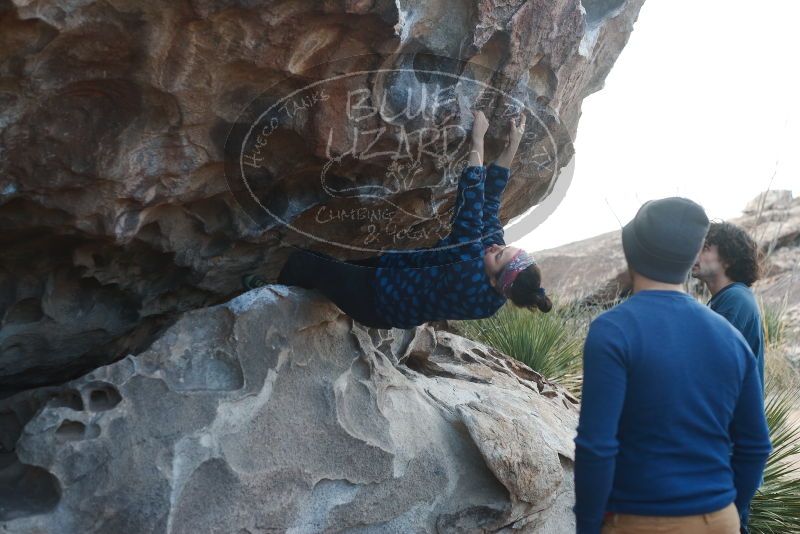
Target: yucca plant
x: 773, y: 321
x: 549, y: 343
x: 775, y: 508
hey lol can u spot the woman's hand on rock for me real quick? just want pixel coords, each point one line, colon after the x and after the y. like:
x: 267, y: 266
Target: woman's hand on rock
x: 516, y: 128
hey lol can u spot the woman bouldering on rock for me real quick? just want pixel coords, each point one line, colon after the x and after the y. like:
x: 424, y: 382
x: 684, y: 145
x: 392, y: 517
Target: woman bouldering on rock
x: 467, y: 275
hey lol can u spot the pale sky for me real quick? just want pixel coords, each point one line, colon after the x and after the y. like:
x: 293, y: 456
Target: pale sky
x: 702, y: 103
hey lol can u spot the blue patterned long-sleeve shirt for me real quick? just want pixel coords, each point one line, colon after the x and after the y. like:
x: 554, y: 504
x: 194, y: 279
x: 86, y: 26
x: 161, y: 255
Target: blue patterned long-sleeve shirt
x: 448, y: 281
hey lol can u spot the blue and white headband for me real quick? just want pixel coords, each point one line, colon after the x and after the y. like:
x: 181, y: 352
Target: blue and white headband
x: 521, y: 261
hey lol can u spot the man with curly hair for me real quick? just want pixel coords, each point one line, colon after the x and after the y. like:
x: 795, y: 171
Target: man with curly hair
x: 728, y: 264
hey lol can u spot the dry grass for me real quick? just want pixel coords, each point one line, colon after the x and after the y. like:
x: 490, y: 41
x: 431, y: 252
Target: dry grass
x: 777, y: 366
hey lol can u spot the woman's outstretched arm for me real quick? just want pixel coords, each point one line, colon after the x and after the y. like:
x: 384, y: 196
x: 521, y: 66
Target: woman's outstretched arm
x: 497, y: 175
x: 466, y: 223
x: 496, y: 180
x: 467, y: 220
x: 515, y: 131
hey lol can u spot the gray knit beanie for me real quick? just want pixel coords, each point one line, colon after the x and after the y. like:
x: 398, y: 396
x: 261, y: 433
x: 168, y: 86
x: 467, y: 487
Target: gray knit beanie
x: 664, y: 238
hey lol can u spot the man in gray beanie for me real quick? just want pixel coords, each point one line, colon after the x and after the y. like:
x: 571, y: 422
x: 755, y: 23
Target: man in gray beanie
x: 672, y: 435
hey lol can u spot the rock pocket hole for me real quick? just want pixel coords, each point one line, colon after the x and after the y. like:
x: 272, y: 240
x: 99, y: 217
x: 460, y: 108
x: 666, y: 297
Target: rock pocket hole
x: 104, y: 398
x: 430, y: 68
x: 67, y: 399
x: 70, y: 431
x: 25, y: 490
x: 25, y: 311
x: 543, y: 81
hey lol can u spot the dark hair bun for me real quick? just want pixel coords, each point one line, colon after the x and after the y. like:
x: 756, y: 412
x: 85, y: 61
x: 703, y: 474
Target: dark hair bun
x: 526, y: 290
x: 543, y: 303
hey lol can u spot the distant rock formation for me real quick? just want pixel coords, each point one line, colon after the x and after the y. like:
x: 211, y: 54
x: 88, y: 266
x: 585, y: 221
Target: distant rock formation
x: 594, y: 269
x: 117, y: 212
x: 275, y: 413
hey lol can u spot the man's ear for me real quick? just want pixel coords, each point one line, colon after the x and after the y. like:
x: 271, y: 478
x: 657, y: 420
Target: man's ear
x: 631, y: 273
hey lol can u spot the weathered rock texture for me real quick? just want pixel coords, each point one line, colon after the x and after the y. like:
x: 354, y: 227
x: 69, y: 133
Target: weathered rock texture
x: 275, y: 413
x: 115, y: 212
x: 594, y: 269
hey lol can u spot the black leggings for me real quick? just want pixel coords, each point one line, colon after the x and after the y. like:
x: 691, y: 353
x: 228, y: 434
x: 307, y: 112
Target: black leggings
x: 346, y: 284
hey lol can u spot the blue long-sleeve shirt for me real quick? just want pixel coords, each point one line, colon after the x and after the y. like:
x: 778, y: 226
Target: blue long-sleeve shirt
x: 738, y: 305
x: 448, y: 281
x: 672, y: 417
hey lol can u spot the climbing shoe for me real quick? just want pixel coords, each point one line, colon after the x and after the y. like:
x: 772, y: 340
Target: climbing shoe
x: 252, y: 281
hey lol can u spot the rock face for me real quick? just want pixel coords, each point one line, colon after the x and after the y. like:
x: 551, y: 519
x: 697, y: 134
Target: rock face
x: 120, y: 207
x: 275, y: 413
x: 594, y: 269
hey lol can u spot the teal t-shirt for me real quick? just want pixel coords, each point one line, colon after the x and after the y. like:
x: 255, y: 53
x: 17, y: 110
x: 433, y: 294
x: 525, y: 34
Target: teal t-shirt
x: 738, y: 305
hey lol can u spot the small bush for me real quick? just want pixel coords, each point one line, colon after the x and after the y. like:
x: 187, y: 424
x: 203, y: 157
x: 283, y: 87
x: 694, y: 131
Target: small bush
x: 549, y: 343
x: 773, y: 321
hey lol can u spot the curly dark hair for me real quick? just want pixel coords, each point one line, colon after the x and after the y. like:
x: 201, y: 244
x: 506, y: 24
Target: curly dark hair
x: 524, y: 292
x: 738, y: 250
